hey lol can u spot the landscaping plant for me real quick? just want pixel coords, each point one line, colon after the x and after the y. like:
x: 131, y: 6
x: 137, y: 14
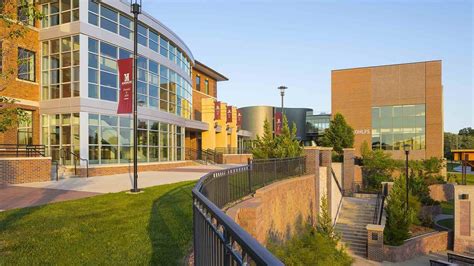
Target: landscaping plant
x: 339, y: 135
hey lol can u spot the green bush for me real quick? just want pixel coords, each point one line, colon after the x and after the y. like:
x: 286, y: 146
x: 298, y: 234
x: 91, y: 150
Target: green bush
x: 398, y: 219
x: 310, y: 248
x: 378, y: 166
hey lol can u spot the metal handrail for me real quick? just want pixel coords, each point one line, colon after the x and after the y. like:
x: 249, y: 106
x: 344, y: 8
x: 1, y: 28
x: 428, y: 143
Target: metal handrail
x: 22, y: 150
x: 76, y: 157
x: 217, y: 238
x: 377, y: 219
x: 337, y: 181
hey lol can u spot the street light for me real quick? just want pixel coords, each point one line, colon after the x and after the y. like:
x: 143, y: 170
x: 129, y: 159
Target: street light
x: 136, y: 9
x: 406, y: 148
x: 282, y: 93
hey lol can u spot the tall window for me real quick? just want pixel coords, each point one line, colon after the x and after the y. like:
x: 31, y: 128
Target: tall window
x: 198, y: 83
x: 26, y: 65
x: 60, y: 68
x: 25, y: 129
x: 206, y: 86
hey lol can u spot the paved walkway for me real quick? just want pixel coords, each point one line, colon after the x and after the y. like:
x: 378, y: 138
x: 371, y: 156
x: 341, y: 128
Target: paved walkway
x: 419, y: 260
x: 40, y: 193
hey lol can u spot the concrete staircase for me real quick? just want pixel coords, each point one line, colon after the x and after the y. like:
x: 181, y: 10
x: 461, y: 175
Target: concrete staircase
x: 356, y: 212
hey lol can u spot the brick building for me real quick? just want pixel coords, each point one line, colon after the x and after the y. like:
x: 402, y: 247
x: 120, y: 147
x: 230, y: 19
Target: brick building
x: 393, y: 105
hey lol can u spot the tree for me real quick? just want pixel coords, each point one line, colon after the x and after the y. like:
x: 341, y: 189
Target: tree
x: 339, y: 135
x: 325, y: 225
x: 286, y: 145
x: 468, y: 131
x: 283, y: 146
x: 378, y: 166
x: 10, y: 116
x: 265, y: 144
x: 399, y: 221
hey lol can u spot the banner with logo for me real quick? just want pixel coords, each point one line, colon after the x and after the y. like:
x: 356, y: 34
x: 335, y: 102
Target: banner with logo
x: 239, y: 118
x: 229, y: 114
x: 217, y: 110
x: 278, y: 123
x: 125, y: 70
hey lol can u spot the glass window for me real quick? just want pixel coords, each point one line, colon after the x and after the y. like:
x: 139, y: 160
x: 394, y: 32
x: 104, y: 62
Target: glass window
x: 108, y: 50
x: 26, y: 65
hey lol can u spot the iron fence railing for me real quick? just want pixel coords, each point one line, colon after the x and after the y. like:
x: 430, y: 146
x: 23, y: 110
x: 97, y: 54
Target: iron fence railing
x: 218, y: 240
x: 22, y: 150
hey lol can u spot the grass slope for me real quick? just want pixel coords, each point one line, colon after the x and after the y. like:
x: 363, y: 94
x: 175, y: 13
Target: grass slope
x: 154, y: 227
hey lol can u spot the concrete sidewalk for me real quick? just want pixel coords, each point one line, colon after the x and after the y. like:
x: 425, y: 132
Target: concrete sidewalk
x: 41, y: 193
x: 123, y: 182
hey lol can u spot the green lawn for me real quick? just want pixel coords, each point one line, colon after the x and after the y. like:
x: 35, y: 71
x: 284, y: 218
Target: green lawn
x: 447, y: 207
x: 448, y: 223
x: 154, y: 227
x: 470, y: 177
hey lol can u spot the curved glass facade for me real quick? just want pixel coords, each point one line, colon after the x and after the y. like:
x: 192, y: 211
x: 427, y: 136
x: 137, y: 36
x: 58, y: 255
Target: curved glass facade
x: 158, y: 87
x: 121, y: 24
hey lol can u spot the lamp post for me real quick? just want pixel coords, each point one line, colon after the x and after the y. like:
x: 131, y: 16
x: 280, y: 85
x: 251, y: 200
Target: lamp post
x: 406, y: 148
x: 136, y: 9
x: 282, y: 93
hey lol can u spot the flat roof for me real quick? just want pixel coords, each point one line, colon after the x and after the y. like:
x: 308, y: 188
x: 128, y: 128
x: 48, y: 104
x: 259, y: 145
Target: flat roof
x: 209, y: 71
x: 350, y: 68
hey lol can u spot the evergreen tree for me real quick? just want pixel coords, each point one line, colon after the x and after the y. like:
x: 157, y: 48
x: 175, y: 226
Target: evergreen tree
x: 339, y: 135
x: 325, y: 225
x: 264, y: 145
x: 286, y: 145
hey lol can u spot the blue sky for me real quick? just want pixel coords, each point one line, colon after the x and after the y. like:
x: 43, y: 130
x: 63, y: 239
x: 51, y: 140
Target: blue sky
x: 260, y: 45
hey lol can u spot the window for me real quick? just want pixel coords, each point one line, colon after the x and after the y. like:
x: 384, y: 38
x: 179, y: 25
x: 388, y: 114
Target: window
x: 395, y: 126
x: 206, y: 86
x: 61, y: 131
x: 60, y: 68
x: 25, y: 12
x: 59, y: 12
x: 198, y: 83
x: 26, y: 65
x: 25, y: 129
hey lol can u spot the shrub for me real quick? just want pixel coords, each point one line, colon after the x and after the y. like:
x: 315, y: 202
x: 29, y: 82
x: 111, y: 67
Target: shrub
x: 377, y: 166
x: 310, y: 248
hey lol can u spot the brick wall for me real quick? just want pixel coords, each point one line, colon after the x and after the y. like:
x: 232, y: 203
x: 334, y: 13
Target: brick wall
x: 425, y: 244
x: 277, y: 210
x: 122, y: 169
x: 25, y: 170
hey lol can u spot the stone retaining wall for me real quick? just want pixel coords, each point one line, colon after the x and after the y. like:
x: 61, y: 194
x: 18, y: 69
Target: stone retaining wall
x: 432, y: 242
x: 278, y: 209
x: 25, y: 170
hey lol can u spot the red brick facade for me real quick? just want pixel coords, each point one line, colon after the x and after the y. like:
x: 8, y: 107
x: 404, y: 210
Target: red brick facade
x: 25, y: 170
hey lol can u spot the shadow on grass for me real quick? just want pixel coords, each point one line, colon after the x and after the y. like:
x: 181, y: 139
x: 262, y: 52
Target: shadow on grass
x: 170, y: 227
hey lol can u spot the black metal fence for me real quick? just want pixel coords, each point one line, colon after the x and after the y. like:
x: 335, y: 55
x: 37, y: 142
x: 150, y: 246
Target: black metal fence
x: 22, y: 150
x: 218, y: 240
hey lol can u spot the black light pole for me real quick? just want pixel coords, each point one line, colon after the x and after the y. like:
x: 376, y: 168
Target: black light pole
x: 282, y: 93
x: 136, y: 9
x: 406, y: 148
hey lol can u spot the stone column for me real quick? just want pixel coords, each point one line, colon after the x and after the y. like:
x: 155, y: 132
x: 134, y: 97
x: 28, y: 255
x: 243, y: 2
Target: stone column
x: 375, y: 242
x: 326, y: 161
x: 312, y: 168
x: 348, y: 166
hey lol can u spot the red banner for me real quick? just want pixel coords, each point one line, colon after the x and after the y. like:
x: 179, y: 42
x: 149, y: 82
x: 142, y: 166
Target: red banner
x: 217, y: 110
x: 229, y: 114
x: 125, y: 70
x: 278, y: 123
x: 239, y: 118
